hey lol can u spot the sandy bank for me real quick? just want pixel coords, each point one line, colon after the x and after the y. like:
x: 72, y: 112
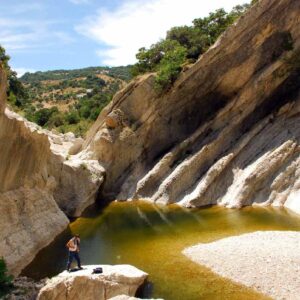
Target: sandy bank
x: 268, y: 262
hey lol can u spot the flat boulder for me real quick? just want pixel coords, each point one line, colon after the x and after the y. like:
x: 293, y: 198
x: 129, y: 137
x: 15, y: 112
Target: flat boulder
x: 83, y: 284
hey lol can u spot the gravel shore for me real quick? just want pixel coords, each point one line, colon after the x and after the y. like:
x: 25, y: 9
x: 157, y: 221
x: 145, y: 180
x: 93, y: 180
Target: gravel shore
x: 267, y: 261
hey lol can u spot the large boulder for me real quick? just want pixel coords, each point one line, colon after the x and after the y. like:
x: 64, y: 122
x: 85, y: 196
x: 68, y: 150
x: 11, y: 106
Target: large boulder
x: 115, y: 280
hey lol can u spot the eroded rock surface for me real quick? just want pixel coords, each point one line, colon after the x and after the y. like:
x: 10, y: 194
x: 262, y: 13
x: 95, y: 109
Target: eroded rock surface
x: 115, y: 280
x: 40, y: 183
x: 227, y: 133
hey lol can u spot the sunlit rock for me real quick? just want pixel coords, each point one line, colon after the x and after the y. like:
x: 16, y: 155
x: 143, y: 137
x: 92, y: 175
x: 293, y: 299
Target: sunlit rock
x: 39, y: 184
x: 115, y: 280
x: 227, y: 132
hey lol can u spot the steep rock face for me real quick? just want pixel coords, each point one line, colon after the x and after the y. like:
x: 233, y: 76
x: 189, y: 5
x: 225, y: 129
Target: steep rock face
x: 114, y: 281
x: 30, y: 217
x: 113, y: 140
x: 38, y: 185
x: 228, y: 131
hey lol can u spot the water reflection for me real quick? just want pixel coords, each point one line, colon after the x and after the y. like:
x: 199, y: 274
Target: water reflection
x: 152, y: 238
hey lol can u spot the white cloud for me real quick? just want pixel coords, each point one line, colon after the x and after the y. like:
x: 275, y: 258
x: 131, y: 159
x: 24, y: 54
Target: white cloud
x: 139, y: 23
x: 64, y: 37
x: 16, y: 41
x: 22, y: 71
x: 21, y: 8
x: 80, y: 1
x: 20, y: 34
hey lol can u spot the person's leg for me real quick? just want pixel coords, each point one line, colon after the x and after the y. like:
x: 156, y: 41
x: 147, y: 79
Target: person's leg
x: 76, y: 255
x: 70, y: 259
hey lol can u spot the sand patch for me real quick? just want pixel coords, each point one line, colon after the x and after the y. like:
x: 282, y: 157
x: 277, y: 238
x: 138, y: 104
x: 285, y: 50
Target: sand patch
x: 267, y: 261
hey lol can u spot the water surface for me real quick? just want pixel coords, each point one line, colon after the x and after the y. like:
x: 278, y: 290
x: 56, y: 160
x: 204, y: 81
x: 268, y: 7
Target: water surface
x: 152, y: 238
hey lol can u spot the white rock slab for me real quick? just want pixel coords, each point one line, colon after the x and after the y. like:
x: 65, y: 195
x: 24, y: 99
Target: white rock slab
x: 115, y: 280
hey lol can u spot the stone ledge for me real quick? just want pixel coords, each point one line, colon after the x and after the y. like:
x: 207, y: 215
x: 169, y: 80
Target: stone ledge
x: 82, y: 284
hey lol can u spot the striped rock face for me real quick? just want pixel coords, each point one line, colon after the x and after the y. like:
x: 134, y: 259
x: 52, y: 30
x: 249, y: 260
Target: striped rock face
x: 228, y: 131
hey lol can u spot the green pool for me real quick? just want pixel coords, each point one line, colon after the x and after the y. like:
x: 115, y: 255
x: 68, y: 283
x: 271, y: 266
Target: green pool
x: 152, y: 238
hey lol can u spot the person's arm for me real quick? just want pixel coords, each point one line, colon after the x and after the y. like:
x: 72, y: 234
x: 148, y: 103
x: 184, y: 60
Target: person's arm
x: 68, y: 244
x: 78, y: 244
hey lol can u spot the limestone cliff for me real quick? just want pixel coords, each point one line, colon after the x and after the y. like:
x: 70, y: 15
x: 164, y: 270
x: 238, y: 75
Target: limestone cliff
x: 39, y: 183
x: 227, y: 133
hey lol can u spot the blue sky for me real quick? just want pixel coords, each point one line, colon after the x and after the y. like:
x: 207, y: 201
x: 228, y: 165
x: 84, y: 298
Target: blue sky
x: 68, y: 34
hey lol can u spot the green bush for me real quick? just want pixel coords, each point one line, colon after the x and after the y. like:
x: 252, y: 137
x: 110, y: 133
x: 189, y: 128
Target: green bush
x: 57, y: 119
x: 183, y: 43
x: 78, y: 129
x: 4, y: 58
x: 72, y: 117
x: 42, y: 116
x: 95, y: 113
x: 170, y: 65
x: 5, y: 279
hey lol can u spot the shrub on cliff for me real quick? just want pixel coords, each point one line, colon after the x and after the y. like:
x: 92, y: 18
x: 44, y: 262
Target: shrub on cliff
x: 42, y: 116
x: 72, y: 117
x: 170, y: 65
x: 5, y: 279
x: 4, y: 58
x: 17, y: 94
x: 184, y: 43
x: 165, y: 58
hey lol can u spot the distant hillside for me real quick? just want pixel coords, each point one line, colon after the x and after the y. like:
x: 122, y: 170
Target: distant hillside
x: 69, y: 100
x: 116, y: 72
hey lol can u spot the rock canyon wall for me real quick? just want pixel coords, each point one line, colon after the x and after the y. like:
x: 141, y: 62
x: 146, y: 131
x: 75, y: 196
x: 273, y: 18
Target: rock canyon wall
x: 227, y: 132
x: 39, y: 184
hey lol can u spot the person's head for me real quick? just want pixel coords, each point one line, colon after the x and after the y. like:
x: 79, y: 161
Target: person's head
x: 76, y: 235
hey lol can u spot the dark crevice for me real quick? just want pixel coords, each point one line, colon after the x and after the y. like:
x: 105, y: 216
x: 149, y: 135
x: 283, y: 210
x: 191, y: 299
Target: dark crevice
x: 272, y: 49
x: 284, y: 93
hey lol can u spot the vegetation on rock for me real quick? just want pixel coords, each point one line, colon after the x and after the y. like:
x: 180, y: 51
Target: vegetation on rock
x: 16, y: 93
x: 5, y: 279
x: 184, y: 45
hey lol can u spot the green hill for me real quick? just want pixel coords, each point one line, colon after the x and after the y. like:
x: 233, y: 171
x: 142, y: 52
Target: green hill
x: 68, y: 100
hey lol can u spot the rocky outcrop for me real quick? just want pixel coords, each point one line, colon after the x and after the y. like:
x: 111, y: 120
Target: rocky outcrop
x: 40, y: 183
x: 24, y: 288
x: 227, y: 133
x: 30, y: 217
x: 265, y: 261
x: 115, y: 280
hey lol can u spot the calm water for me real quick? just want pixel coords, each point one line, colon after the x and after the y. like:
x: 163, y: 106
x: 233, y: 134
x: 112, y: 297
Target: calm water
x: 152, y: 238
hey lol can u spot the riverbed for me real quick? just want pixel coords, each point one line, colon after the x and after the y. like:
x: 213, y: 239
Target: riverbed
x: 152, y: 238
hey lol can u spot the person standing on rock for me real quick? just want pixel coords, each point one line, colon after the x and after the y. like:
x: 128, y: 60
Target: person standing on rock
x: 73, y: 246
